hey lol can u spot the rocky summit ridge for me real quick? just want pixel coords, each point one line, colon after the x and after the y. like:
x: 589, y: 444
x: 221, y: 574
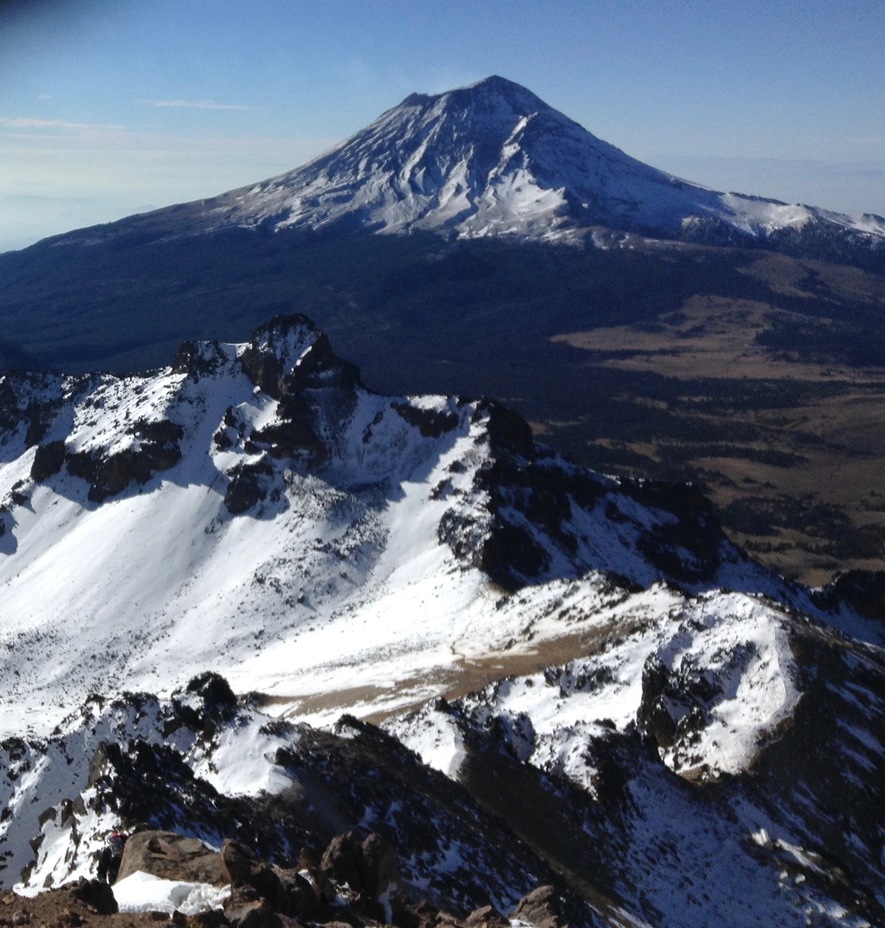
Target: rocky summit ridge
x: 416, y: 624
x: 493, y: 160
x: 255, y: 500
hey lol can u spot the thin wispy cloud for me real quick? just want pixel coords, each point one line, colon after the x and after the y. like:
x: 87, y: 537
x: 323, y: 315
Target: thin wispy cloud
x: 32, y: 122
x: 197, y: 105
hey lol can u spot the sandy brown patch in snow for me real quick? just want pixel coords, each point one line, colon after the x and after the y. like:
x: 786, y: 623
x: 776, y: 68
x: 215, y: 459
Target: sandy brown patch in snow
x: 464, y: 675
x: 324, y: 702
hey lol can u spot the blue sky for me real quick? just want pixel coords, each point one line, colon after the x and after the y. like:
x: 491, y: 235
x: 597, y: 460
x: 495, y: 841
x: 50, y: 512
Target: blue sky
x: 109, y: 107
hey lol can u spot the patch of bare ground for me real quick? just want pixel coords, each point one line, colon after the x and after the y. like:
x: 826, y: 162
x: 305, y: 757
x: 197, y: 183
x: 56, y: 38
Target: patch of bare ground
x: 710, y: 337
x: 62, y: 909
x: 464, y: 675
x: 469, y: 675
x: 836, y: 282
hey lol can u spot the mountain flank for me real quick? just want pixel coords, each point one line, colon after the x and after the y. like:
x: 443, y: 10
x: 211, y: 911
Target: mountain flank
x: 263, y: 492
x: 493, y: 160
x: 753, y: 375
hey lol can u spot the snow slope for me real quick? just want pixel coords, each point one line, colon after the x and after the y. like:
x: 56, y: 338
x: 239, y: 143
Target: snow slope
x: 774, y: 734
x: 574, y: 761
x: 734, y: 642
x: 175, y: 764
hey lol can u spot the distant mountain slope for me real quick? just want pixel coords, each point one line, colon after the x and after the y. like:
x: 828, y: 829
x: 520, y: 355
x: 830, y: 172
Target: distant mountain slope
x: 493, y: 159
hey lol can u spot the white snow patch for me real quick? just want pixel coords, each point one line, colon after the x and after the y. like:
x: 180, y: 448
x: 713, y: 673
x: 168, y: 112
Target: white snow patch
x: 144, y: 892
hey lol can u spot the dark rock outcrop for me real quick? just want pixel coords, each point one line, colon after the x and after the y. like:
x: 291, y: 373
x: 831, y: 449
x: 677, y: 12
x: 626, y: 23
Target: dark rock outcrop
x: 217, y: 697
x: 430, y: 422
x: 269, y: 354
x: 677, y: 704
x: 39, y: 417
x: 543, y: 908
x: 366, y: 865
x: 531, y: 505
x: 248, y: 485
x: 460, y: 856
x: 252, y: 880
x: 48, y: 460
x: 695, y: 530
x: 508, y: 431
x: 294, y: 432
x: 157, y: 450
x: 862, y: 590
x: 199, y: 359
x: 94, y: 893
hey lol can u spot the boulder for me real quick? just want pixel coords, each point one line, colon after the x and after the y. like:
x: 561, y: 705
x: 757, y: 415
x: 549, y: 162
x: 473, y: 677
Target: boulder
x: 242, y: 906
x: 260, y: 916
x: 245, y: 872
x: 420, y: 914
x: 213, y: 918
x: 304, y: 898
x: 542, y: 908
x: 96, y: 894
x: 380, y: 865
x: 343, y: 861
x: 367, y: 866
x: 486, y: 917
x: 172, y: 857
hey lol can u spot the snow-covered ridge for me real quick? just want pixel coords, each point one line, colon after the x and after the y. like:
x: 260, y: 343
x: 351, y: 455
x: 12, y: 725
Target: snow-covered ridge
x: 254, y: 505
x: 587, y: 659
x: 712, y: 677
x: 582, y: 746
x: 493, y: 159
x: 209, y: 766
x: 750, y: 706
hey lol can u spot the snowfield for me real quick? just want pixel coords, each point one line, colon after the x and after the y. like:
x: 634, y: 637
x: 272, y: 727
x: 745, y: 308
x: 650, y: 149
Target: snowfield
x: 143, y: 892
x: 735, y: 644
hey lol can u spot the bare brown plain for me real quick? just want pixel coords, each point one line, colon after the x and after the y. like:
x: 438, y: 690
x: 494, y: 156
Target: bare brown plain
x: 800, y: 482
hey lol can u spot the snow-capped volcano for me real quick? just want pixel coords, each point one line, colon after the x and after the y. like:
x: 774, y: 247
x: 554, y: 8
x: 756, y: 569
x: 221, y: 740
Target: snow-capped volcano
x: 493, y: 159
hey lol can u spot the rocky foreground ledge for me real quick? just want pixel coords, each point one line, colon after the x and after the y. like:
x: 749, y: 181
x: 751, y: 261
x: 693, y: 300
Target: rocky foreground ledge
x: 353, y: 882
